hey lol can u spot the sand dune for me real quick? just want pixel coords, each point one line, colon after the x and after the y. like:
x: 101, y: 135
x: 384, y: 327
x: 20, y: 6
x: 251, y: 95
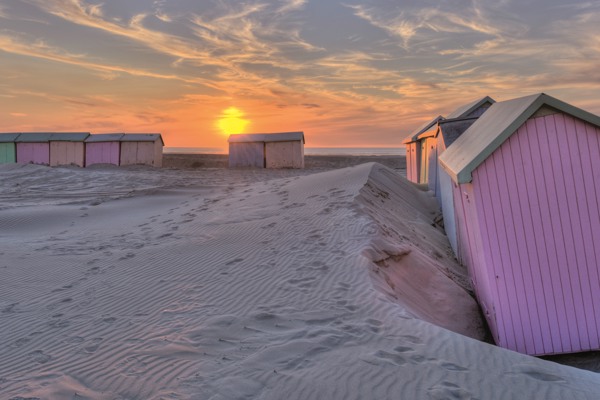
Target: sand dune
x: 137, y: 283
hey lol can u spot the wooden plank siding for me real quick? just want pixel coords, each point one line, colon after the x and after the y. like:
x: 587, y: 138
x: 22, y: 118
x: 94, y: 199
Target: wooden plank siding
x: 102, y: 153
x: 538, y: 220
x: 7, y: 153
x: 432, y: 155
x: 247, y: 154
x: 67, y: 153
x: 413, y: 161
x: 284, y: 154
x: 33, y: 153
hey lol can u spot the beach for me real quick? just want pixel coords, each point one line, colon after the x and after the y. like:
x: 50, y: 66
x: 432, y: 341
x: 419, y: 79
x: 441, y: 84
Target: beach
x: 195, y: 281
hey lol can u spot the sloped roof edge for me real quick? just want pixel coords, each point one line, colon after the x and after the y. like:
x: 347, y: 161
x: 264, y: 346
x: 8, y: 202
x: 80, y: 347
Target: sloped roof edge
x: 494, y: 127
x: 266, y: 137
x: 414, y: 136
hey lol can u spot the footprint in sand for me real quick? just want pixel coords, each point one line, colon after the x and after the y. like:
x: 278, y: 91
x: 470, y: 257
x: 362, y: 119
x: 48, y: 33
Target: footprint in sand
x: 448, y: 390
x: 39, y: 357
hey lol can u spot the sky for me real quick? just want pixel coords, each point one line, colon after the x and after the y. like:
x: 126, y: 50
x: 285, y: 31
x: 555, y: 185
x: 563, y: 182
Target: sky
x: 346, y: 73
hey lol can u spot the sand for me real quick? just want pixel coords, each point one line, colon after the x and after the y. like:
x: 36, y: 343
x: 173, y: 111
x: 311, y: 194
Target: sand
x: 210, y: 283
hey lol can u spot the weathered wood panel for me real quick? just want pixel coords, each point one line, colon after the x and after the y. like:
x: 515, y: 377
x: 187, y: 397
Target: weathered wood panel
x: 67, y: 153
x: 247, y: 154
x: 424, y: 171
x: 33, y: 153
x: 540, y: 225
x: 140, y: 153
x: 284, y: 154
x: 102, y: 153
x: 8, y: 153
x: 432, y: 162
x: 413, y: 161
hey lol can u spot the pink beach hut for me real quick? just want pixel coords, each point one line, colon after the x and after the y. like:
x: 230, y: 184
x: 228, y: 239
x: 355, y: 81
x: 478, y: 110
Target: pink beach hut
x: 104, y: 148
x: 141, y: 148
x: 33, y: 148
x: 414, y: 147
x: 68, y: 148
x: 526, y: 181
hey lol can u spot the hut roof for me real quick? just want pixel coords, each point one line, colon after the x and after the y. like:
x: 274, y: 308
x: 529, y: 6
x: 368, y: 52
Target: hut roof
x: 104, y: 137
x: 494, y: 127
x: 33, y: 137
x: 466, y: 109
x: 8, y: 137
x: 413, y: 137
x: 142, y: 137
x: 69, y: 136
x: 430, y: 133
x: 267, y: 137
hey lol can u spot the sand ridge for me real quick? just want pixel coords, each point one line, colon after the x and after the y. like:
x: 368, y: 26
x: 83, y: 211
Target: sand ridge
x: 226, y: 284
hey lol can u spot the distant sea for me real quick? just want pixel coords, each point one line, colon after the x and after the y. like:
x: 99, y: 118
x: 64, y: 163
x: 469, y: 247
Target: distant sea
x: 310, y: 151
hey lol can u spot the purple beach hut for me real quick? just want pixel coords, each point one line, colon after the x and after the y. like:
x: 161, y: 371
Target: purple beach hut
x: 104, y: 148
x: 526, y: 184
x: 33, y: 148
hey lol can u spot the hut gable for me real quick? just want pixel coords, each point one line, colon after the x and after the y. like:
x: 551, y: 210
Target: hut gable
x: 494, y: 127
x: 8, y: 150
x: 472, y: 110
x: 413, y: 137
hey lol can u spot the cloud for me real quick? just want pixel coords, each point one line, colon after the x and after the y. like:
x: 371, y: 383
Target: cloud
x: 17, y: 114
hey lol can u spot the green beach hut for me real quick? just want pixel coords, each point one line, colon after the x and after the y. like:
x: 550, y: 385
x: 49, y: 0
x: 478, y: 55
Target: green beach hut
x: 8, y: 149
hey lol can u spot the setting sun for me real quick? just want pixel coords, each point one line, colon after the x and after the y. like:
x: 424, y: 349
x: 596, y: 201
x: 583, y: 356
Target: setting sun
x: 232, y: 121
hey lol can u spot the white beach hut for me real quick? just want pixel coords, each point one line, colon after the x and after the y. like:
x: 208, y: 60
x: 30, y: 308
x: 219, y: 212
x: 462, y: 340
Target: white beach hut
x: 141, y: 148
x: 267, y: 150
x: 68, y: 148
x: 413, y: 150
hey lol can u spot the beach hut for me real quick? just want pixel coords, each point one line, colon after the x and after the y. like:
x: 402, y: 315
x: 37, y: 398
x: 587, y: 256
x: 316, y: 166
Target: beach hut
x: 413, y: 150
x: 526, y: 182
x: 429, y: 140
x: 8, y: 149
x: 33, y: 148
x: 104, y: 148
x: 141, y: 148
x: 267, y: 150
x: 68, y: 148
x: 448, y: 132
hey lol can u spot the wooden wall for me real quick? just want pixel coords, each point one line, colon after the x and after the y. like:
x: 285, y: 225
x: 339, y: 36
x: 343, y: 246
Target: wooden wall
x: 67, y: 153
x: 536, y: 211
x: 36, y: 153
x: 412, y: 162
x: 284, y: 154
x: 146, y: 153
x: 8, y: 153
x: 247, y: 154
x: 102, y: 153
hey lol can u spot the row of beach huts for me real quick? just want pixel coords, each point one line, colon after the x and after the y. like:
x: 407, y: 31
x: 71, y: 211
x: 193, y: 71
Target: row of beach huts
x: 518, y: 183
x: 81, y: 148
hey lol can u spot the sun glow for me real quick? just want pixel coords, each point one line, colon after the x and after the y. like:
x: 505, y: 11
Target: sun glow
x: 232, y: 121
